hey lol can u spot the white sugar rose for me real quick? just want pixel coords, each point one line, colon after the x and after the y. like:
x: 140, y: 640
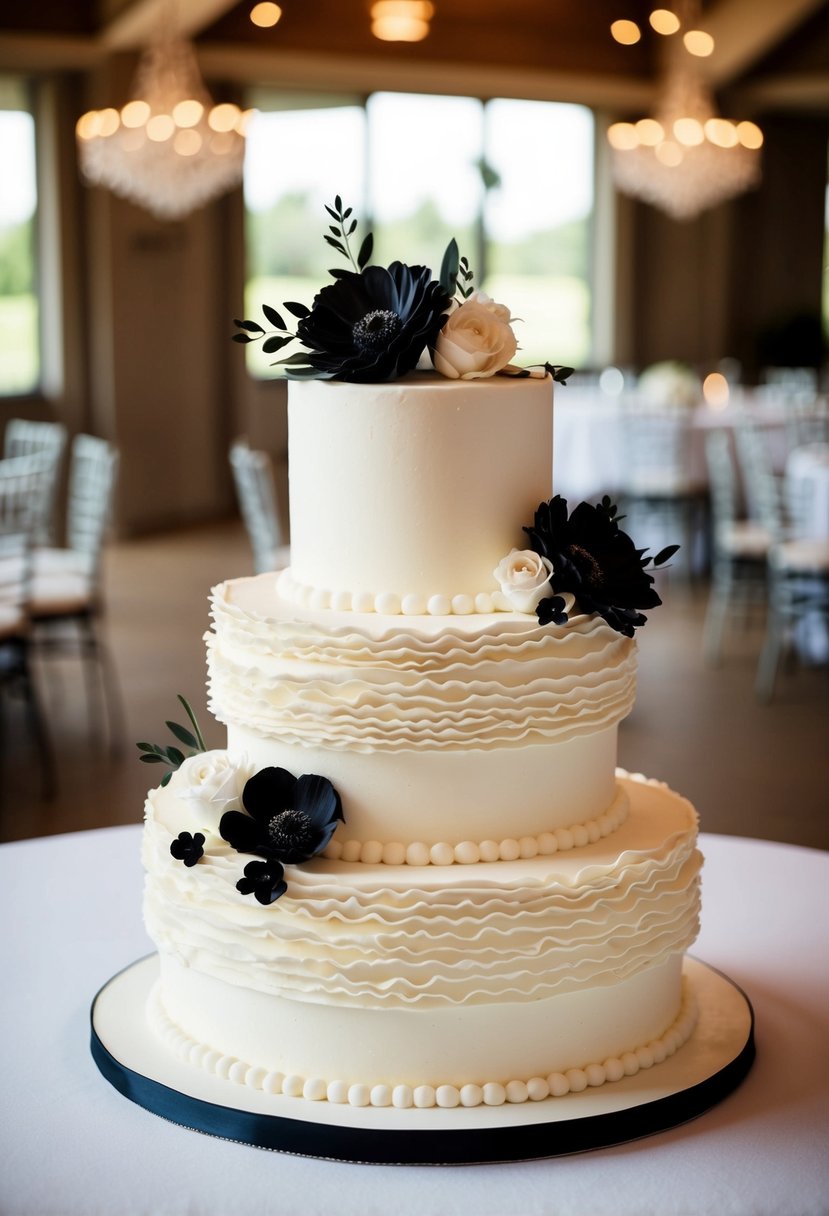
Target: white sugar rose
x: 211, y: 782
x: 524, y: 577
x: 476, y: 340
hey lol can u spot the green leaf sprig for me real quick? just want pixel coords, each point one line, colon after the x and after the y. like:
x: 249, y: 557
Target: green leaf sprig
x: 154, y: 753
x: 453, y: 269
x: 338, y: 237
x: 559, y: 374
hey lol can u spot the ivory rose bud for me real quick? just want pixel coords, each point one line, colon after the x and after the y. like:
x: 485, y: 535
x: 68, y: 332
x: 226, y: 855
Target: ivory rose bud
x: 524, y: 578
x: 210, y: 782
x: 476, y: 340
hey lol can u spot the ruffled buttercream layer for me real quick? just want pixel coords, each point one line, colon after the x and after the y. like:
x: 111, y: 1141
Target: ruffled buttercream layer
x: 368, y: 936
x: 338, y: 681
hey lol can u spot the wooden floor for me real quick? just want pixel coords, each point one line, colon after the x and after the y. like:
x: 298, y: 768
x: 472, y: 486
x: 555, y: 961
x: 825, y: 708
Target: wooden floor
x: 751, y: 770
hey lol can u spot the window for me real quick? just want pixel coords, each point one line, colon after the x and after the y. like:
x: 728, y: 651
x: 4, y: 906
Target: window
x: 512, y: 181
x: 538, y: 224
x: 424, y: 184
x: 299, y: 155
x: 19, y: 312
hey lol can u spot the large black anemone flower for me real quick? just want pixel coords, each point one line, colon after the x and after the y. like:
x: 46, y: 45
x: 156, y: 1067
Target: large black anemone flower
x: 373, y: 325
x: 596, y: 561
x: 288, y: 819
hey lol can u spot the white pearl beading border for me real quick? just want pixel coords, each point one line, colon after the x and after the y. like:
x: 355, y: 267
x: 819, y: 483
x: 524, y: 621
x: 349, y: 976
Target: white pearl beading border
x: 470, y: 852
x: 490, y: 1093
x: 389, y: 603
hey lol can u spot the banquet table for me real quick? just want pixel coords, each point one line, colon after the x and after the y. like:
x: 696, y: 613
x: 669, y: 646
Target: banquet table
x: 589, y: 446
x: 71, y: 1144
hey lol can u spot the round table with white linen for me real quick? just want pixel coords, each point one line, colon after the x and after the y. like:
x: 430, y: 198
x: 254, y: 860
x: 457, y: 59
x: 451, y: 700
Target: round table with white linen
x: 589, y: 445
x: 71, y: 1144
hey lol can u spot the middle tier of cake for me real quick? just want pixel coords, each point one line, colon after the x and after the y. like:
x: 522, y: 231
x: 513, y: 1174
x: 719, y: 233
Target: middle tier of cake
x: 452, y: 731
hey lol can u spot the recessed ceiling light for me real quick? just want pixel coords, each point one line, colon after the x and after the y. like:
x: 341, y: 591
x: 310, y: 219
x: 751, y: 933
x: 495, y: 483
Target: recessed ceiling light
x: 698, y: 42
x: 265, y: 15
x: 664, y: 21
x: 626, y: 32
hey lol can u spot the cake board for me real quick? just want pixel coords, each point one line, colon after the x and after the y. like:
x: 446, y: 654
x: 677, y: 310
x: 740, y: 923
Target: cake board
x: 705, y: 1070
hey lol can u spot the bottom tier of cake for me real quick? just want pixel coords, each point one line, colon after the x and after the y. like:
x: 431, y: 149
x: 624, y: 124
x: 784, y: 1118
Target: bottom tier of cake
x: 498, y: 1054
x: 501, y: 1126
x: 401, y: 985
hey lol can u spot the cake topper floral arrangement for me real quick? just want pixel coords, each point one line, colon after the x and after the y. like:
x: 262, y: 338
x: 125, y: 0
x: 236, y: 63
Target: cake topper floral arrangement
x: 374, y: 323
x: 283, y: 820
x: 587, y: 555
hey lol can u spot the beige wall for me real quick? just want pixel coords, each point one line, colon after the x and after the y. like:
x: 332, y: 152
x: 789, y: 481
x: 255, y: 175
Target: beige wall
x: 712, y: 287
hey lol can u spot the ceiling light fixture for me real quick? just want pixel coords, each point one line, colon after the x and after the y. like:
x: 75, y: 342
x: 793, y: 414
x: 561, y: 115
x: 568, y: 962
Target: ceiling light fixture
x: 664, y: 21
x: 401, y: 20
x: 626, y: 32
x: 686, y: 158
x: 265, y: 15
x: 170, y: 150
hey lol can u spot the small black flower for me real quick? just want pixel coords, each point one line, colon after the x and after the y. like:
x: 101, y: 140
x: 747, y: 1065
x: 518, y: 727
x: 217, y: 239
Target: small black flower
x: 264, y: 879
x: 552, y: 611
x: 188, y: 848
x: 288, y: 819
x: 374, y: 324
x: 596, y: 561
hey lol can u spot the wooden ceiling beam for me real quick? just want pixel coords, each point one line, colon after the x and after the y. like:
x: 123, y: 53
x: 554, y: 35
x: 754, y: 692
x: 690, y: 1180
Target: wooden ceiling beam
x: 745, y: 30
x: 357, y: 74
x: 137, y: 24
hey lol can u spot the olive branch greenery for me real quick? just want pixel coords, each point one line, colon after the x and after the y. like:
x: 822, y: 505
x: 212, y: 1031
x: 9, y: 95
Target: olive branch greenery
x: 337, y: 238
x: 154, y: 753
x: 453, y: 269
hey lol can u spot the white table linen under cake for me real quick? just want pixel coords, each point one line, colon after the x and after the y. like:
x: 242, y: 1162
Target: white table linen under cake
x: 71, y: 1144
x: 807, y: 484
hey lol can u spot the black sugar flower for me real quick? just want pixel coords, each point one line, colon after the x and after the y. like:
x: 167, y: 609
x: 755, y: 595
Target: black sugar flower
x: 374, y: 324
x: 264, y: 879
x: 552, y: 611
x: 288, y: 819
x: 596, y: 561
x: 188, y: 848
x: 371, y: 324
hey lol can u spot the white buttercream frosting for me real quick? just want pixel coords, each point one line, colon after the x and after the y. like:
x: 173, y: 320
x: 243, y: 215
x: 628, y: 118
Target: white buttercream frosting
x: 383, y: 975
x: 381, y: 937
x: 414, y: 488
x: 558, y: 1084
x: 427, y: 726
x: 505, y: 683
x: 458, y: 733
x: 468, y: 852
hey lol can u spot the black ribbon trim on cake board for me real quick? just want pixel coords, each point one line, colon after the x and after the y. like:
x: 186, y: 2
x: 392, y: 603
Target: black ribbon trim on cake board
x: 462, y: 1146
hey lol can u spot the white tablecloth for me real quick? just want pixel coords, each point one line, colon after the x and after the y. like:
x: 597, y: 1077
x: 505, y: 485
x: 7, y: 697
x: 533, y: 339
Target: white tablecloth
x: 71, y: 1145
x: 589, y: 445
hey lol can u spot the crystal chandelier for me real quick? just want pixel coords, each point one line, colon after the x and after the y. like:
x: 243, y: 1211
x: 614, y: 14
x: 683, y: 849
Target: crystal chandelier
x: 169, y: 149
x: 686, y: 158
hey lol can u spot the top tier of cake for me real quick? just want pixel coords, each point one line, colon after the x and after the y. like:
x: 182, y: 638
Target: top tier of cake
x: 405, y: 496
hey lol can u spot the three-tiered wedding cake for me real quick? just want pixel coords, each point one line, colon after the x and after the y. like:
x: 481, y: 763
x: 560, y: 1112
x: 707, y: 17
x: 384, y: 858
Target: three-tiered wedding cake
x: 415, y: 877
